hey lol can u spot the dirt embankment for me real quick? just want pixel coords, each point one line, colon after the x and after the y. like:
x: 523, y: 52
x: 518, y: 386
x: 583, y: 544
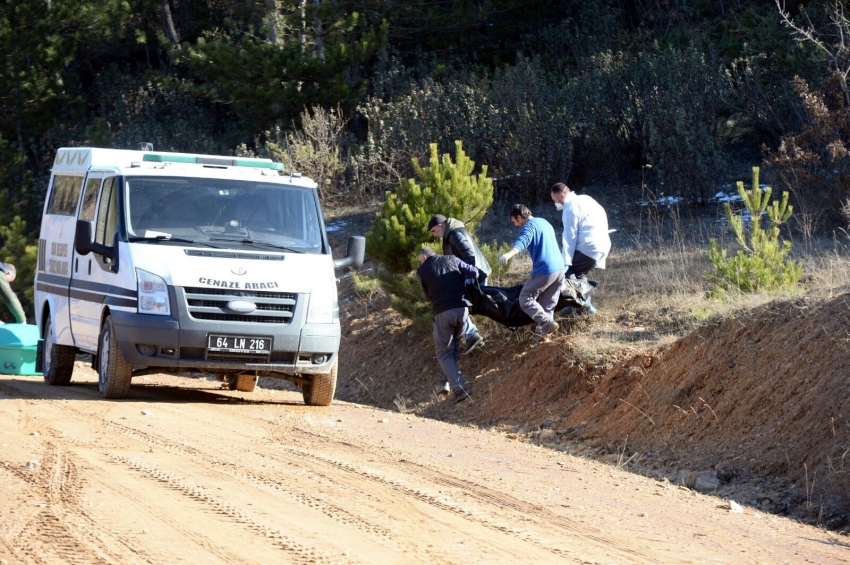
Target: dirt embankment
x: 758, y: 402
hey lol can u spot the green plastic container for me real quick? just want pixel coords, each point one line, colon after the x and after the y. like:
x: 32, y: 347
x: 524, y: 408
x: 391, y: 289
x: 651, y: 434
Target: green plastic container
x: 18, y: 345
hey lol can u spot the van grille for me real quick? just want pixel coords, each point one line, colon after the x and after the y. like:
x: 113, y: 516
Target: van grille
x: 211, y: 304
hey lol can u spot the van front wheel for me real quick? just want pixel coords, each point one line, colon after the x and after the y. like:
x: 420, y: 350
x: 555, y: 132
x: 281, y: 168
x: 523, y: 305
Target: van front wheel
x: 58, y: 359
x: 320, y: 391
x: 114, y: 374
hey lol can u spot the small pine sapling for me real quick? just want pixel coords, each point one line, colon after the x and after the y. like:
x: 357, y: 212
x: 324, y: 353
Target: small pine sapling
x: 762, y: 262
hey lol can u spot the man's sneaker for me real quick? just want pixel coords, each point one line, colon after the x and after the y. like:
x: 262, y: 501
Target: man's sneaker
x: 540, y: 332
x: 445, y: 388
x: 473, y: 343
x: 590, y: 310
x: 461, y: 394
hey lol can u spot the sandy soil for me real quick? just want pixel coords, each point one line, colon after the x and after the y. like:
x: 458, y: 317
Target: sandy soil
x: 183, y: 471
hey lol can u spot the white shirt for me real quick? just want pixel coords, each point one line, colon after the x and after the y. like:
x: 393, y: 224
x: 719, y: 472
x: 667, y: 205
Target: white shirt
x: 585, y: 229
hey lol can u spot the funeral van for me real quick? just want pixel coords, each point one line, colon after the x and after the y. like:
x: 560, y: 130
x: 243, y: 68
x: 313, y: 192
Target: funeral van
x: 176, y: 263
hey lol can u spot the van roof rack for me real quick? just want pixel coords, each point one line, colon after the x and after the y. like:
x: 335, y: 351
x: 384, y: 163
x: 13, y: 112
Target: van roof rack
x: 214, y: 161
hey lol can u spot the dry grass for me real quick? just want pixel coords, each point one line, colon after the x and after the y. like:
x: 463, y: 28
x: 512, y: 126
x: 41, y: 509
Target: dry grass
x: 653, y: 291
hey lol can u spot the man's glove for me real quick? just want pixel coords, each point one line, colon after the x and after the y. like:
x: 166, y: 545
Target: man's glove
x: 503, y: 260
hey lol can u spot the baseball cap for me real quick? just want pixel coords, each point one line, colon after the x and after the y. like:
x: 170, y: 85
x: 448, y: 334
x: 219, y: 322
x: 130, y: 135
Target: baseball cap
x: 436, y: 219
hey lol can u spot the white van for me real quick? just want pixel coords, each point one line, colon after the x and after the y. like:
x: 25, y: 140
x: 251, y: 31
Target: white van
x: 175, y: 263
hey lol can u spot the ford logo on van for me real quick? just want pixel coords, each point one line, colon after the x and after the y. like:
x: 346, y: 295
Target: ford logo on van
x: 241, y: 306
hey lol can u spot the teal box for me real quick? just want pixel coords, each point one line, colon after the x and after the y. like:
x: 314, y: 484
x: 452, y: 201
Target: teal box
x: 18, y: 345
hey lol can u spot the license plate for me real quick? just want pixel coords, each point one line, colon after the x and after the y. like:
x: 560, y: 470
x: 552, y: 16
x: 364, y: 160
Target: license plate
x: 239, y: 344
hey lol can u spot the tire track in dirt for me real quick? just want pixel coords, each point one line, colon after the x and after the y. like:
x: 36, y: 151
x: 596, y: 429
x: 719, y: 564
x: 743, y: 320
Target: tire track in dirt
x: 328, y: 509
x: 297, y: 461
x: 301, y: 553
x: 63, y: 531
x: 520, y: 508
x: 396, y: 486
x: 335, y: 512
x: 480, y: 493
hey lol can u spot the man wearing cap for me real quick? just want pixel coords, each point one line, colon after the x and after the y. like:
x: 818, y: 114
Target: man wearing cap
x: 457, y: 241
x: 541, y: 290
x: 586, y: 242
x: 7, y: 275
x: 442, y: 278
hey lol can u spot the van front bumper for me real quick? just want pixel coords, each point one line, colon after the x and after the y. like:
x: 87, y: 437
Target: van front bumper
x: 180, y: 345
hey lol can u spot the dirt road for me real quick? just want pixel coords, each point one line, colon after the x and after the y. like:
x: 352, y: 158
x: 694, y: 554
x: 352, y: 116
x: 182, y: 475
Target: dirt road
x: 183, y: 472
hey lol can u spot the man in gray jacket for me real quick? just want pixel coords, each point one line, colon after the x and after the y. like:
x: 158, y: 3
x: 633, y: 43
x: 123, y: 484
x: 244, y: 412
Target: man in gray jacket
x: 457, y: 241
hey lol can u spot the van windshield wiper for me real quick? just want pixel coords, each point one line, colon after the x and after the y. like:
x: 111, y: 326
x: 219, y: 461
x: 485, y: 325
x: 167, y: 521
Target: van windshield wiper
x: 160, y: 238
x: 258, y: 243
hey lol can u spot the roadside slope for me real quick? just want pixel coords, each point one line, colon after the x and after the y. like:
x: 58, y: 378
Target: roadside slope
x: 761, y: 396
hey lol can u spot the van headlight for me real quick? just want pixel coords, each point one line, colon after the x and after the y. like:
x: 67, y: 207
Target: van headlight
x: 153, y: 294
x: 324, y: 308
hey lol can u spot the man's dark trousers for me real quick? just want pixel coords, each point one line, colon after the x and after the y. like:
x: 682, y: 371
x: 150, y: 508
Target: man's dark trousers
x: 448, y: 328
x: 582, y: 264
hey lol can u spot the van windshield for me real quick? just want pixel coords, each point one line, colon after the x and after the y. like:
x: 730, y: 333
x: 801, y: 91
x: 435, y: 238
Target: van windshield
x: 230, y: 213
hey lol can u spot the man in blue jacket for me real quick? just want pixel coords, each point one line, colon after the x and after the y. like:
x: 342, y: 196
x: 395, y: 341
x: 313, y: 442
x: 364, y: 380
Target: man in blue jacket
x: 539, y: 294
x: 442, y: 278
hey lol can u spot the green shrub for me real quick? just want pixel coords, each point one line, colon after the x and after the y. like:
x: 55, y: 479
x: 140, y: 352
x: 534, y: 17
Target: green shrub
x: 762, y: 263
x: 448, y: 187
x: 400, y: 227
x: 520, y: 121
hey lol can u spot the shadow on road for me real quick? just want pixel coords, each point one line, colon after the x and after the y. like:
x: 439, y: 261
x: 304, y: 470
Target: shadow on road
x: 16, y: 387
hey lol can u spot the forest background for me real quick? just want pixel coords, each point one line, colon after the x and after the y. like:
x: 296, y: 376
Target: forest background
x: 677, y: 96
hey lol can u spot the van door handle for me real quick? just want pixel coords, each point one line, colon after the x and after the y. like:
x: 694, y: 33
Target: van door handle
x: 76, y: 264
x: 89, y: 266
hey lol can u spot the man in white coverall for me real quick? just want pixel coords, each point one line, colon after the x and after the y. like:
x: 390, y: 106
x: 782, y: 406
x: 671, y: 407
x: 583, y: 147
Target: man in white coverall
x: 586, y: 243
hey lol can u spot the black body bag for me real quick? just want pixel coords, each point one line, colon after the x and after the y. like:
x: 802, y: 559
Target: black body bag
x: 502, y: 304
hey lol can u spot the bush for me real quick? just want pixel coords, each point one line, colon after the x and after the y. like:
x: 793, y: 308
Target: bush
x: 449, y: 188
x: 400, y: 227
x: 519, y: 121
x: 659, y: 107
x: 156, y: 108
x: 761, y: 264
x: 814, y: 163
x: 318, y: 149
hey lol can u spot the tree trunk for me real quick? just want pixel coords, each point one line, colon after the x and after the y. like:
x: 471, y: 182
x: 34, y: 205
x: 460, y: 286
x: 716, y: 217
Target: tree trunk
x: 318, y: 30
x: 273, y: 21
x: 168, y: 25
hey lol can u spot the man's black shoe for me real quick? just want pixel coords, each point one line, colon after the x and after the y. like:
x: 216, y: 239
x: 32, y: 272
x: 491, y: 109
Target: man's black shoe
x: 473, y: 343
x: 461, y: 394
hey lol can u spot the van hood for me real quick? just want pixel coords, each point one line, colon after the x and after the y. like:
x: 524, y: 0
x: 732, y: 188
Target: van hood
x: 234, y: 269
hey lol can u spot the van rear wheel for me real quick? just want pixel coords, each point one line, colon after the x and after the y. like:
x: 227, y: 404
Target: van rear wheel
x: 58, y: 359
x: 114, y: 374
x: 243, y: 383
x: 320, y: 391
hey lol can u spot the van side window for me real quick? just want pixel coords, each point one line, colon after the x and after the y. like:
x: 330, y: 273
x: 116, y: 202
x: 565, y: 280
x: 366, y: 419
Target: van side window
x: 90, y: 199
x: 107, y: 213
x: 65, y: 195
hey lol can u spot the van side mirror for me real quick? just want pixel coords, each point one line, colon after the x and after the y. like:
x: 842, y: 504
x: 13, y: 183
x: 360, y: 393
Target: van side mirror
x: 84, y: 245
x: 355, y: 254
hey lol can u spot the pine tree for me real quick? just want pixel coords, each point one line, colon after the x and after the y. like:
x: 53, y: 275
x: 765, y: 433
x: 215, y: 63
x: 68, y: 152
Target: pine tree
x: 400, y: 228
x: 448, y: 187
x: 762, y: 263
